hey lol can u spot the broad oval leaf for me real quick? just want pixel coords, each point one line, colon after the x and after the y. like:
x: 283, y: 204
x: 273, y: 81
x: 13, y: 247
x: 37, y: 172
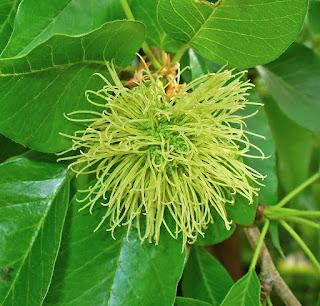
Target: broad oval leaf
x: 293, y: 81
x: 34, y: 198
x: 120, y: 271
x: 37, y: 21
x: 8, y: 10
x: 51, y: 80
x: 236, y: 32
x: 245, y: 292
x: 183, y: 301
x: 212, y: 280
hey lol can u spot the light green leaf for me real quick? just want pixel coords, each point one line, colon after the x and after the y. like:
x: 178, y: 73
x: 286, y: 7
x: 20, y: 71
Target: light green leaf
x: 119, y: 271
x: 212, y: 280
x: 183, y: 301
x: 245, y: 292
x: 236, y: 32
x: 37, y: 21
x: 293, y: 81
x: 51, y: 80
x: 8, y: 10
x: 34, y: 198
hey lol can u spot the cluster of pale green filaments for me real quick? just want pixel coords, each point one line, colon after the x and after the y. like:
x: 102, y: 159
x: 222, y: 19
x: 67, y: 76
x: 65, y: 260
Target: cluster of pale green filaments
x: 152, y: 155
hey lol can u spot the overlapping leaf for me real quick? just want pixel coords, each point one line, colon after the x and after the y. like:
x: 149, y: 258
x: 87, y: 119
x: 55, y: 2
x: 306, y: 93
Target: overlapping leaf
x: 37, y: 21
x: 293, y: 81
x: 240, y: 33
x: 8, y: 10
x: 95, y: 269
x: 213, y: 281
x: 33, y: 204
x: 51, y: 80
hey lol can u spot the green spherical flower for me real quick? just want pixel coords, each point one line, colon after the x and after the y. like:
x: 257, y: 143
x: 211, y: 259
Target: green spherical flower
x: 153, y: 155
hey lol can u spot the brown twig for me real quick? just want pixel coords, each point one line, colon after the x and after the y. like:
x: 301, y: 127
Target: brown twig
x: 269, y: 274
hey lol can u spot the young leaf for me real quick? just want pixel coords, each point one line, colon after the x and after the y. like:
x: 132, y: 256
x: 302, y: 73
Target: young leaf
x: 183, y: 301
x: 51, y: 81
x: 38, y: 21
x: 34, y: 198
x: 212, y: 280
x: 239, y: 33
x: 245, y: 292
x: 121, y: 271
x: 7, y: 13
x: 293, y: 82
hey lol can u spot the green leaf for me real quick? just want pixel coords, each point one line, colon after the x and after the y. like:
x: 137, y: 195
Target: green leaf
x: 314, y: 16
x: 293, y: 81
x: 146, y: 12
x: 8, y: 10
x: 183, y: 301
x: 241, y: 212
x: 245, y: 292
x: 274, y: 233
x: 34, y: 198
x: 294, y: 147
x: 259, y: 124
x: 212, y: 280
x: 38, y: 21
x: 52, y: 79
x: 216, y: 231
x: 120, y: 271
x: 9, y: 148
x: 235, y: 32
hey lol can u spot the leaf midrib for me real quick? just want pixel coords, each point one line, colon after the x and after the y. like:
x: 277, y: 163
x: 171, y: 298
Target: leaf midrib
x: 33, y: 240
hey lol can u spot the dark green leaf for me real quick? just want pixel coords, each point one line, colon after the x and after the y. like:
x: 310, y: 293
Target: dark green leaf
x: 9, y: 148
x: 314, y: 16
x: 259, y: 124
x: 95, y: 269
x: 239, y: 33
x: 294, y: 147
x: 50, y: 81
x: 293, y: 81
x: 182, y: 301
x: 216, y: 231
x: 212, y: 280
x: 34, y: 198
x: 241, y: 212
x: 274, y: 233
x: 245, y: 292
x: 37, y: 21
x: 8, y: 10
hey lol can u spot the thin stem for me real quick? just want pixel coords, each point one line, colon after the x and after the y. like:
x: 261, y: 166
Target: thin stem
x: 274, y: 212
x: 304, y: 247
x: 259, y: 246
x: 297, y: 190
x: 146, y: 49
x: 269, y: 303
x: 303, y: 222
x: 269, y: 273
x: 180, y: 53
